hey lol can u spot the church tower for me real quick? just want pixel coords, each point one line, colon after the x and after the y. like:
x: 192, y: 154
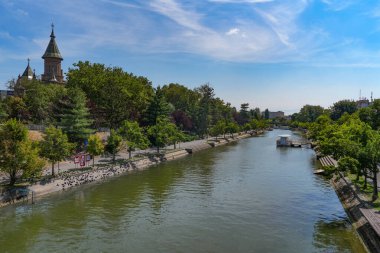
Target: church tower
x: 52, y: 61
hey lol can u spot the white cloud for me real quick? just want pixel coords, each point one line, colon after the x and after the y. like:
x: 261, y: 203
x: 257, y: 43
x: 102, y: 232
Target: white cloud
x: 233, y: 31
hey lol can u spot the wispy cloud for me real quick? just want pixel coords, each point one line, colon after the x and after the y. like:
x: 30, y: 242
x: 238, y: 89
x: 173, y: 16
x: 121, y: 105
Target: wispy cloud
x: 339, y: 5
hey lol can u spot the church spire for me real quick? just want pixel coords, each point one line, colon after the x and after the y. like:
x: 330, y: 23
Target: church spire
x: 52, y: 61
x: 52, y: 50
x: 28, y: 73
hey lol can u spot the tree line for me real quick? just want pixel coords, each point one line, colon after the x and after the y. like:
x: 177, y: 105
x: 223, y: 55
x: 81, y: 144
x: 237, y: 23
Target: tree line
x: 347, y: 133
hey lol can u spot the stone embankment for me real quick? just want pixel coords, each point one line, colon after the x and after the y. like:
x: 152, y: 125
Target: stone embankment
x: 67, y: 180
x: 365, y: 219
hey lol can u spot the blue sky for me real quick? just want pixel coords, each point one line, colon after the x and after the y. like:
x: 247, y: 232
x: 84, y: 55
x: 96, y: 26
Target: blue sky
x: 276, y: 54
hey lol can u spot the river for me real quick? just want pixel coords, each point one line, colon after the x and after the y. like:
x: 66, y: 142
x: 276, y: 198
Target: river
x: 244, y: 197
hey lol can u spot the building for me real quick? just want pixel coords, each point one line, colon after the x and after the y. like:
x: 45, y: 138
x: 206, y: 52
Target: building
x: 52, y: 69
x: 52, y: 61
x: 362, y: 103
x: 52, y: 64
x: 279, y: 114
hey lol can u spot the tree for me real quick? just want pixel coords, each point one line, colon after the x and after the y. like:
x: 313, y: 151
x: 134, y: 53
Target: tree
x: 114, y: 144
x: 244, y: 116
x: 266, y: 114
x: 55, y: 146
x: 309, y: 113
x: 16, y: 108
x: 17, y: 152
x: 218, y: 129
x: 114, y: 95
x: 158, y: 107
x: 232, y: 128
x: 95, y: 147
x: 203, y: 120
x: 340, y: 107
x: 372, y: 153
x: 133, y: 135
x: 75, y: 122
x: 162, y: 132
x: 41, y: 98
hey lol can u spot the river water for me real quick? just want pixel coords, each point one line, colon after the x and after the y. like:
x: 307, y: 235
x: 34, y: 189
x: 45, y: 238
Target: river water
x: 245, y: 197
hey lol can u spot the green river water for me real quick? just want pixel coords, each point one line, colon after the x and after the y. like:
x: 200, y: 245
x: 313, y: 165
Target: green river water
x: 244, y: 197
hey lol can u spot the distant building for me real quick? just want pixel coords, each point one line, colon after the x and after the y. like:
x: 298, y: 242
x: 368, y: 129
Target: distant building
x: 362, y: 103
x: 279, y: 114
x: 6, y: 93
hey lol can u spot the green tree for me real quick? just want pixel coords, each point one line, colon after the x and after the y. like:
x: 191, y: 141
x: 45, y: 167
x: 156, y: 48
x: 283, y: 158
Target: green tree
x: 41, y: 98
x: 161, y: 133
x: 133, y: 135
x: 157, y: 108
x: 372, y: 152
x: 114, y: 144
x: 342, y: 106
x: 232, y: 128
x: 218, y: 129
x: 114, y: 95
x: 75, y: 122
x: 310, y: 113
x: 266, y: 114
x: 203, y: 118
x: 55, y: 146
x: 16, y: 108
x: 244, y: 115
x: 95, y: 147
x: 18, y: 155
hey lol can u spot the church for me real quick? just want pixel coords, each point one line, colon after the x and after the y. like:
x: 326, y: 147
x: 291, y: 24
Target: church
x: 52, y: 64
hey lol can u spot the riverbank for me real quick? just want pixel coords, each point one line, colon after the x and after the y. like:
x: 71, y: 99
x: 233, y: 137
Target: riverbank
x: 67, y: 180
x: 365, y: 219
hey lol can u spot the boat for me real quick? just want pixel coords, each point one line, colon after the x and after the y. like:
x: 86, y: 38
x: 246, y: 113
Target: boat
x: 284, y: 141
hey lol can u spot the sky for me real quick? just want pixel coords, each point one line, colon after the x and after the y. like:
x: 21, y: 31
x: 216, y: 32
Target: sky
x: 275, y: 54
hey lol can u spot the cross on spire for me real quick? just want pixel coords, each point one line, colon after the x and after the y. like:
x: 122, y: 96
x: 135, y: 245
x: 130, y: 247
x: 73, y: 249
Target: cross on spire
x: 28, y: 61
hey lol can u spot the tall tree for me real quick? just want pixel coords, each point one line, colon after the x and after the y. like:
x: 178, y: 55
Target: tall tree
x: 133, y: 136
x: 244, y: 116
x: 75, y: 122
x: 207, y: 95
x: 18, y: 155
x: 157, y: 108
x: 55, y: 146
x: 266, y: 114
